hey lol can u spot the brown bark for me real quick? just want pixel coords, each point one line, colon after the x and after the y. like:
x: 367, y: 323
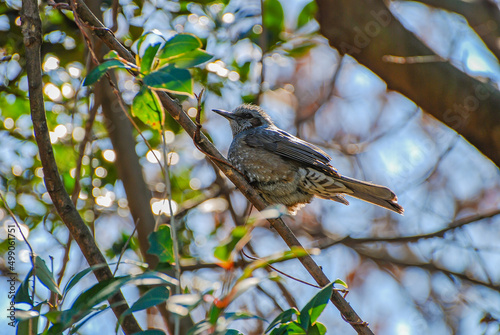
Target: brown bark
x: 368, y: 31
x: 32, y: 31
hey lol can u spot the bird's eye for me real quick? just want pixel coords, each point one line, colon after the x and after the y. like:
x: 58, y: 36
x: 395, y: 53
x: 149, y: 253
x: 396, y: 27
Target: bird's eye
x: 246, y: 115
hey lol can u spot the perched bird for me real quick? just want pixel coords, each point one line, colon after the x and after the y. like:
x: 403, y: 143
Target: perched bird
x: 287, y: 170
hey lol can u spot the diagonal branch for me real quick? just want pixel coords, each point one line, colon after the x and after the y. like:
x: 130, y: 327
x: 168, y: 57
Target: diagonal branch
x: 32, y: 31
x: 238, y: 180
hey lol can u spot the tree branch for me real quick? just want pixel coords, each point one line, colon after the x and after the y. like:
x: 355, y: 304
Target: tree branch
x: 32, y: 31
x: 349, y: 241
x: 369, y: 32
x: 238, y: 180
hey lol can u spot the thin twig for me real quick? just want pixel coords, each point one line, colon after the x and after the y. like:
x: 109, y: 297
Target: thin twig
x: 125, y: 248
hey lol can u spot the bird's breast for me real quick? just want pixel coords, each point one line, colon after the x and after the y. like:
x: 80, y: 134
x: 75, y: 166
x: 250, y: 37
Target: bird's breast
x: 260, y: 165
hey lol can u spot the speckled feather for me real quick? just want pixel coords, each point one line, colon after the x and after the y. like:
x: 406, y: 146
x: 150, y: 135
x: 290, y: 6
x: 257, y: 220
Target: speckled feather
x: 290, y: 171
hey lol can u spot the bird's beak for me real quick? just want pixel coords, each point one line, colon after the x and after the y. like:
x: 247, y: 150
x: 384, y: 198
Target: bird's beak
x: 226, y: 114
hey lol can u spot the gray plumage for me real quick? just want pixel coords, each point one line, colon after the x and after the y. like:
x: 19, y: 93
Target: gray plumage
x: 287, y: 170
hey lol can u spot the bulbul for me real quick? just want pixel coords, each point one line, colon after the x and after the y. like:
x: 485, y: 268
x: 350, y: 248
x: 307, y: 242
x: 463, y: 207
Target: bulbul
x: 287, y: 170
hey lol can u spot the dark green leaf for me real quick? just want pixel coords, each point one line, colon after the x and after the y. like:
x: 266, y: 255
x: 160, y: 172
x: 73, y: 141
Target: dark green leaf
x: 232, y: 332
x: 148, y: 58
x: 284, y: 317
x: 171, y: 79
x: 23, y: 292
x: 213, y: 314
x: 151, y: 298
x: 317, y: 329
x: 43, y: 273
x: 101, y: 69
x: 315, y: 307
x: 190, y: 59
x: 77, y: 277
x: 307, y: 14
x: 161, y: 244
x: 84, y: 304
x: 150, y: 332
x: 147, y: 107
x: 180, y: 44
x: 223, y: 251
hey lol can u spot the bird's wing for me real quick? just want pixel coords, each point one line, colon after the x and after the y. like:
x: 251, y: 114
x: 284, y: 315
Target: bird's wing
x: 284, y: 144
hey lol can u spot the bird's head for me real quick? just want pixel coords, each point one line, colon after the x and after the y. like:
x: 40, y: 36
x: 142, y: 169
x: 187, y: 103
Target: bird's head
x: 245, y: 117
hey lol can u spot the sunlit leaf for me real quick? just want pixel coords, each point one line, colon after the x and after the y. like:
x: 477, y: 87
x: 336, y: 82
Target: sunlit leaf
x: 312, y: 310
x: 341, y: 282
x: 307, y: 14
x: 190, y: 59
x: 101, y: 69
x: 170, y: 79
x: 180, y: 44
x: 161, y: 244
x: 223, y: 251
x: 147, y: 107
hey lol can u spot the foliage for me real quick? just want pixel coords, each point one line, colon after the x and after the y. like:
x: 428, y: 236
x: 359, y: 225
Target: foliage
x: 238, y: 52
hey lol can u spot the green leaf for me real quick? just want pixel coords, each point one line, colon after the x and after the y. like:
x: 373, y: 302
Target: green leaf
x: 223, y: 251
x: 147, y: 107
x: 77, y: 277
x: 148, y: 58
x: 170, y: 79
x: 180, y: 44
x: 317, y: 329
x: 340, y: 282
x: 190, y: 59
x: 284, y: 317
x: 23, y: 292
x: 84, y: 304
x: 112, y: 54
x: 43, y: 273
x: 307, y: 14
x: 312, y: 310
x: 273, y: 20
x: 150, y: 332
x: 161, y: 244
x: 101, y: 69
x: 232, y: 332
x: 151, y: 298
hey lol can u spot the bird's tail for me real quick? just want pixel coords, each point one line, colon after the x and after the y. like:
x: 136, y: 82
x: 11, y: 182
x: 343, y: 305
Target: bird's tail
x: 375, y: 194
